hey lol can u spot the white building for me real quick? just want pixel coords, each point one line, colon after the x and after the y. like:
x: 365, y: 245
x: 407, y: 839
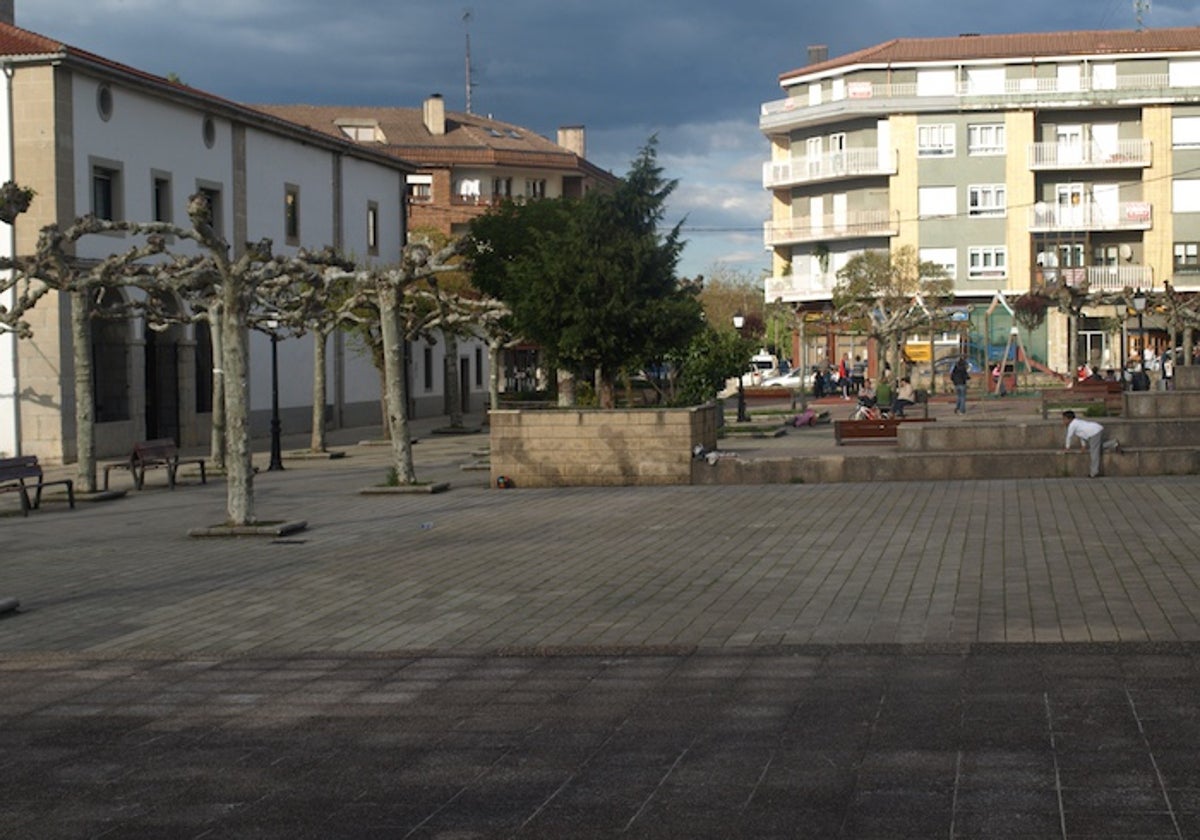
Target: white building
x: 90, y: 135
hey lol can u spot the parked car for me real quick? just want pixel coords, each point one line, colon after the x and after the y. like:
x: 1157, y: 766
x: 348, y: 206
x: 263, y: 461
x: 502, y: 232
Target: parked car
x: 794, y: 379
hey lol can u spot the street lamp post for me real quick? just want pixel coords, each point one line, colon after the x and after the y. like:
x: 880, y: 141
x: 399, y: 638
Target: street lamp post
x: 276, y: 426
x: 739, y: 321
x: 1139, y: 306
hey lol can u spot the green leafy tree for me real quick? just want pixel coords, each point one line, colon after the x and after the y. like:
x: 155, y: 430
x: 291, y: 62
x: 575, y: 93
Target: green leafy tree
x: 712, y: 356
x: 592, y: 280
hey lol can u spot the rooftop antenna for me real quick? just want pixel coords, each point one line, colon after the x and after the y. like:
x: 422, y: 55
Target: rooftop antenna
x: 1140, y: 8
x: 466, y: 19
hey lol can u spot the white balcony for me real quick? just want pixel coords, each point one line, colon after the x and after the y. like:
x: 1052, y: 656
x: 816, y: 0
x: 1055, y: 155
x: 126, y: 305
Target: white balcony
x: 1126, y: 154
x: 1088, y: 215
x: 857, y: 98
x: 791, y: 288
x: 1100, y: 278
x: 850, y: 163
x: 830, y: 226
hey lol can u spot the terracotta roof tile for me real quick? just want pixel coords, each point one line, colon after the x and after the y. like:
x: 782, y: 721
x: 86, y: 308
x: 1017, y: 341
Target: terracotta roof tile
x: 469, y: 138
x: 1013, y: 46
x: 17, y: 41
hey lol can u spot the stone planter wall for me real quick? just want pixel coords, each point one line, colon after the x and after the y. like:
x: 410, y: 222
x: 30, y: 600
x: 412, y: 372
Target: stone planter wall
x: 595, y: 447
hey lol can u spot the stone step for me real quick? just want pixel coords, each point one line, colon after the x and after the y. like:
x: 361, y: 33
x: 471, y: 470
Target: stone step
x: 1021, y: 437
x: 896, y: 465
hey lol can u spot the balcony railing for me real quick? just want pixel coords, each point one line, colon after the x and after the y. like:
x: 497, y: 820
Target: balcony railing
x: 794, y: 287
x: 1088, y: 215
x: 830, y: 226
x: 1126, y: 153
x: 863, y: 97
x: 1099, y: 278
x: 849, y: 163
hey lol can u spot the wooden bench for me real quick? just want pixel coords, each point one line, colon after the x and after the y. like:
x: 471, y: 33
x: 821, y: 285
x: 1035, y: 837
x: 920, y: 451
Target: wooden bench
x: 149, y: 454
x: 1111, y: 394
x: 844, y: 430
x: 22, y: 474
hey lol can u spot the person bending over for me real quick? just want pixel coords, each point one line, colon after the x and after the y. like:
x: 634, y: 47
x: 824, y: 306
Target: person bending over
x: 1091, y: 437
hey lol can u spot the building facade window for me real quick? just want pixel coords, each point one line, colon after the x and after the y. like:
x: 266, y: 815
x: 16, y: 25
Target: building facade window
x: 935, y: 140
x: 1187, y: 257
x: 104, y: 102
x: 987, y: 262
x: 933, y: 202
x: 945, y: 258
x: 372, y: 228
x: 212, y: 194
x: 106, y: 192
x: 986, y: 139
x: 291, y: 214
x: 502, y: 188
x: 1185, y: 195
x: 985, y: 200
x: 427, y: 364
x: 161, y: 198
x: 535, y: 188
x: 420, y: 189
x: 1185, y: 132
x: 478, y: 367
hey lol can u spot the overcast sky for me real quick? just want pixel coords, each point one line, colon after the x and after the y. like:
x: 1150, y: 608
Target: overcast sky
x: 692, y: 72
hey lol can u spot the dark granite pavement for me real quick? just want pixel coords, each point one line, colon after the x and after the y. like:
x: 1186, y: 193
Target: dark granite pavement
x: 968, y: 659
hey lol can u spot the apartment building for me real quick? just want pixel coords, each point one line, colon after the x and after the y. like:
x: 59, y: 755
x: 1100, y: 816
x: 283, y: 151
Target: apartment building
x: 1013, y: 161
x: 93, y: 136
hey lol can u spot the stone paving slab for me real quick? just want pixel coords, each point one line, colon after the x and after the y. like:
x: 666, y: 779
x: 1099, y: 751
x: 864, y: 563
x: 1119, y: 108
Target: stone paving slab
x: 951, y: 659
x: 835, y: 742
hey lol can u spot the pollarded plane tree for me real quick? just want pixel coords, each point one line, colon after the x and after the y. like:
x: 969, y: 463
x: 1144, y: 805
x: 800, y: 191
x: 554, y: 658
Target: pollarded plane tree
x: 403, y: 313
x: 54, y: 269
x: 889, y: 296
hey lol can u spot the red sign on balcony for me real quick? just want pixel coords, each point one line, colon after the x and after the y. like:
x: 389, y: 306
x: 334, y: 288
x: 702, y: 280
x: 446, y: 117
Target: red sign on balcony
x: 1137, y: 211
x: 859, y: 90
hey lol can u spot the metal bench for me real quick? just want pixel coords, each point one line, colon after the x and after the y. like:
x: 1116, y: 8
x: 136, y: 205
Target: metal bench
x: 23, y: 474
x: 149, y: 454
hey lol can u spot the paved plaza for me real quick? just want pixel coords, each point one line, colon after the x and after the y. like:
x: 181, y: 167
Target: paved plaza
x: 957, y: 659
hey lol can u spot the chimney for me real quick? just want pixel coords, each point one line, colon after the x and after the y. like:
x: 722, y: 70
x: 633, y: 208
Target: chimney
x: 434, y: 114
x: 573, y: 138
x: 6, y: 12
x: 818, y: 53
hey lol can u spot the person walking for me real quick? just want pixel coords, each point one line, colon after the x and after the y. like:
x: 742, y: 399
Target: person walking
x: 1091, y: 437
x: 960, y: 376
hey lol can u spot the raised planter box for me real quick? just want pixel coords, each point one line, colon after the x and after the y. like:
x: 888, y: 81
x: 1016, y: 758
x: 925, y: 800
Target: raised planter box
x: 597, y: 447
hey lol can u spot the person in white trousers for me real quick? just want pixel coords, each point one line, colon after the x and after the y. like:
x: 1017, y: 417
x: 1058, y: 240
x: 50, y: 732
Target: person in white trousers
x: 1091, y: 436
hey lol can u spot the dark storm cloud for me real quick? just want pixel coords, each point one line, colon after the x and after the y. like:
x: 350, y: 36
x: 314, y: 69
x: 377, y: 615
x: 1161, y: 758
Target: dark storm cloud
x: 693, y: 72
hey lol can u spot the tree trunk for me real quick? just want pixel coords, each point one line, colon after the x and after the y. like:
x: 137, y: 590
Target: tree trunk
x: 217, y: 434
x: 606, y: 390
x: 392, y: 334
x: 494, y: 374
x: 85, y: 398
x: 317, y: 444
x: 1072, y: 345
x: 239, y: 476
x: 453, y: 386
x: 566, y: 389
